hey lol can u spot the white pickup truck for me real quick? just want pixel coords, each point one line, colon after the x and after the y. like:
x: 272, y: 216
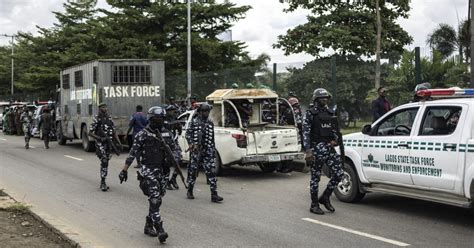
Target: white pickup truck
x: 422, y: 150
x: 269, y: 146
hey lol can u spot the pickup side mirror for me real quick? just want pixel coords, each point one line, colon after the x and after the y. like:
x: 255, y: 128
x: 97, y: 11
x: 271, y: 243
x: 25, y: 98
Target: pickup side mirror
x: 367, y: 129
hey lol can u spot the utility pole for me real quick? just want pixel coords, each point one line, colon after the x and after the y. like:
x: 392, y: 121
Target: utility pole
x: 471, y: 28
x: 189, y: 50
x: 13, y: 62
x: 379, y: 41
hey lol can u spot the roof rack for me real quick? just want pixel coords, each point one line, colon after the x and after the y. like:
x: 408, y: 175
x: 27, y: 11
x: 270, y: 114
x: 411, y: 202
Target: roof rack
x: 446, y: 93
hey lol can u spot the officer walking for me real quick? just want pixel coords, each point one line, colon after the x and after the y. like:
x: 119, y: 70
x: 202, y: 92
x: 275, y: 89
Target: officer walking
x: 26, y: 119
x: 172, y: 124
x: 200, y: 137
x: 149, y: 143
x: 320, y: 135
x: 103, y: 131
x: 137, y: 123
x: 46, y: 124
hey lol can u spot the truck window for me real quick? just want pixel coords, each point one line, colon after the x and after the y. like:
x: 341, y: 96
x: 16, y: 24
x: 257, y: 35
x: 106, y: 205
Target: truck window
x: 440, y: 120
x: 397, y: 124
x: 66, y: 81
x: 95, y: 75
x: 125, y: 74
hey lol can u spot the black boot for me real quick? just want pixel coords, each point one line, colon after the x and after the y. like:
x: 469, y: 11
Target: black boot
x: 149, y: 229
x: 173, y: 182
x: 315, y: 209
x: 162, y: 235
x: 324, y: 199
x: 215, y: 197
x: 168, y: 185
x: 103, y: 185
x: 190, y: 193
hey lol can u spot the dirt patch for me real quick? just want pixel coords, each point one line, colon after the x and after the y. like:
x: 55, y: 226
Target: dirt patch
x: 20, y: 229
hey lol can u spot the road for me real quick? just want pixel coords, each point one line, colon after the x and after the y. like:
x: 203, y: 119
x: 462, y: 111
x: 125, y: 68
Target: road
x: 269, y: 210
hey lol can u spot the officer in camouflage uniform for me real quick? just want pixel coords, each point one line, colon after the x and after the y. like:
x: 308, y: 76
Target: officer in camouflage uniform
x: 103, y: 131
x: 172, y: 124
x: 26, y: 119
x: 154, y: 171
x: 200, y: 137
x: 320, y: 135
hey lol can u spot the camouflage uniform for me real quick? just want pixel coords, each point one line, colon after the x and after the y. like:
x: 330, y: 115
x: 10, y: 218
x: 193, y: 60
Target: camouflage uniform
x: 175, y: 128
x: 102, y: 125
x: 201, y: 132
x: 154, y: 167
x: 26, y: 119
x: 319, y: 128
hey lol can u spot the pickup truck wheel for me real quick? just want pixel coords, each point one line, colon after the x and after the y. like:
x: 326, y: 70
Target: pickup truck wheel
x: 348, y: 189
x: 267, y: 167
x: 61, y: 139
x: 86, y: 144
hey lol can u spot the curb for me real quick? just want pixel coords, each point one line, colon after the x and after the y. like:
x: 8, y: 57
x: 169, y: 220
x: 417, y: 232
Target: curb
x: 45, y: 223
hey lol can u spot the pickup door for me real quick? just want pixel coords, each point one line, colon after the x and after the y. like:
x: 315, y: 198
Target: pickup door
x: 386, y: 151
x: 435, y: 150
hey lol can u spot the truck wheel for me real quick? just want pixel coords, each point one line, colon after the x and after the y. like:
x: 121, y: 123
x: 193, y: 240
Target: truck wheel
x: 61, y: 139
x: 267, y: 167
x: 87, y: 145
x: 348, y: 188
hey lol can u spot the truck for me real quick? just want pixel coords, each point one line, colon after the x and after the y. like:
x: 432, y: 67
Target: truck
x: 120, y: 83
x: 270, y: 146
x: 422, y: 150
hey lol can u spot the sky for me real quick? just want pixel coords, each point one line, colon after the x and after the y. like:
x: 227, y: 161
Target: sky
x: 260, y: 28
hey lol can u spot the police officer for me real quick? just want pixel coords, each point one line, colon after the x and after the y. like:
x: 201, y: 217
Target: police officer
x: 46, y: 123
x: 103, y: 131
x: 200, y: 137
x: 26, y: 119
x: 172, y: 124
x: 320, y: 135
x: 148, y: 143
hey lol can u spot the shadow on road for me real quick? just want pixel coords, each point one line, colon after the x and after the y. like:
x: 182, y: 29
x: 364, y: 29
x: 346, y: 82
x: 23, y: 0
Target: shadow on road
x: 424, y: 209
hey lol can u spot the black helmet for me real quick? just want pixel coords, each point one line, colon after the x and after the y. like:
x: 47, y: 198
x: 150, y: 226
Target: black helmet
x: 156, y: 112
x: 204, y: 107
x: 320, y: 93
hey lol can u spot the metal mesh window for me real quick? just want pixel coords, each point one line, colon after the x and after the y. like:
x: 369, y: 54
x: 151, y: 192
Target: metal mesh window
x: 78, y: 79
x: 131, y: 74
x: 66, y: 81
x: 78, y: 109
x: 95, y: 76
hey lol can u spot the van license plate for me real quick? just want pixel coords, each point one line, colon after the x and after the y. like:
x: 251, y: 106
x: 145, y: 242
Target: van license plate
x: 274, y: 158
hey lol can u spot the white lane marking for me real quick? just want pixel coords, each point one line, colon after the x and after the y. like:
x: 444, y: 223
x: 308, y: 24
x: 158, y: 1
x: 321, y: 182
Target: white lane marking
x: 363, y: 234
x: 79, y: 159
x: 3, y: 139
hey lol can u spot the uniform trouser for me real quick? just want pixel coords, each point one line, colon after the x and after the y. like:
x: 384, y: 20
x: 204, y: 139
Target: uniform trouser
x: 27, y: 133
x: 324, y: 153
x: 103, y: 152
x: 177, y: 157
x: 155, y: 189
x: 46, y: 137
x: 208, y: 160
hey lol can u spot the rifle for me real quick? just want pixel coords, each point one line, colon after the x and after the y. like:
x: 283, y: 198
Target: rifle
x: 109, y: 141
x: 170, y: 156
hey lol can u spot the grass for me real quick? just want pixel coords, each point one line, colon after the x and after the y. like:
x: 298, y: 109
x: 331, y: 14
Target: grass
x: 355, y: 129
x: 18, y: 207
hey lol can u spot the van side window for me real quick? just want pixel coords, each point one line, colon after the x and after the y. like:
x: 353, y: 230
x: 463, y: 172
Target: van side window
x: 440, y: 120
x: 397, y: 124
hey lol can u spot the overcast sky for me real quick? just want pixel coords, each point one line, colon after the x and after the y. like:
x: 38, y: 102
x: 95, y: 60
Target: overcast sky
x: 263, y: 23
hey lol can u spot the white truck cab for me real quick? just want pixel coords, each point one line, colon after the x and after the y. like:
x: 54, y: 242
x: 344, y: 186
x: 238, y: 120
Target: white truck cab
x: 422, y: 150
x: 272, y: 147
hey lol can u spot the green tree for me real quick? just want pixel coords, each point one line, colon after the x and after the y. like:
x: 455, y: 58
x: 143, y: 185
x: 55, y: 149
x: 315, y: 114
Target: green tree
x: 347, y: 28
x: 445, y: 39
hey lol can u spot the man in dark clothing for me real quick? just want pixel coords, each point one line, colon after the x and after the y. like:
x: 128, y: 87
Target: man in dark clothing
x: 321, y: 135
x: 172, y: 124
x: 150, y: 144
x: 103, y: 131
x: 138, y: 121
x: 200, y: 137
x: 46, y: 123
x: 380, y: 106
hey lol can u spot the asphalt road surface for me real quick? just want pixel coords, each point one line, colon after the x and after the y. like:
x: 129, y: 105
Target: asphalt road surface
x: 263, y: 210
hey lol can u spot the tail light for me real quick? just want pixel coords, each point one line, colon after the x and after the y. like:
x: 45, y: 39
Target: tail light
x: 240, y: 139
